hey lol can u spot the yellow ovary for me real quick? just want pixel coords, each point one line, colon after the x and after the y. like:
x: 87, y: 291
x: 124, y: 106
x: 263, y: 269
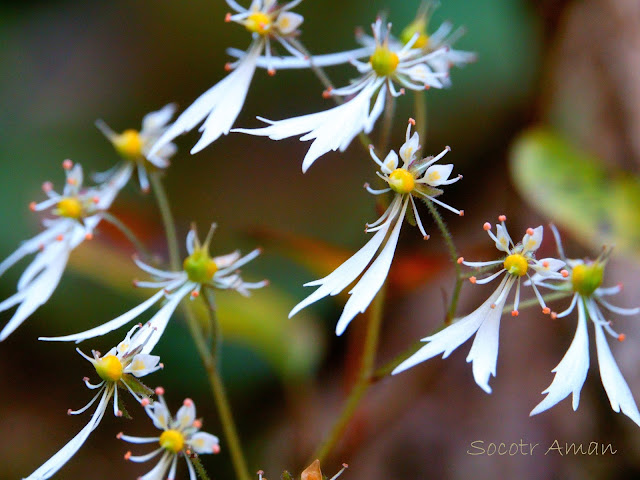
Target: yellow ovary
x: 129, y: 144
x: 109, y: 368
x: 384, y: 62
x: 70, y: 207
x: 402, y: 181
x: 516, y: 265
x: 585, y: 279
x: 172, y: 440
x: 258, y: 22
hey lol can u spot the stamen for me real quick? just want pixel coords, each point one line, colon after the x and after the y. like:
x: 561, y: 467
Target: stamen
x: 502, y: 218
x: 412, y: 122
x: 127, y: 455
x: 67, y: 164
x: 460, y: 260
x: 473, y: 279
x: 227, y: 17
x: 486, y: 226
x: 564, y: 273
x: 47, y: 187
x: 622, y: 337
x: 530, y: 231
x: 145, y: 401
x: 159, y: 391
x: 554, y: 315
x: 215, y: 449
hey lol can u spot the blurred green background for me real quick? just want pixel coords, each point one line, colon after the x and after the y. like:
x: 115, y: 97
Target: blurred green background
x: 67, y: 63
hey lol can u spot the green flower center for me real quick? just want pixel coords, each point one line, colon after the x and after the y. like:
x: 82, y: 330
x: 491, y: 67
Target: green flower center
x: 384, y: 62
x: 199, y: 267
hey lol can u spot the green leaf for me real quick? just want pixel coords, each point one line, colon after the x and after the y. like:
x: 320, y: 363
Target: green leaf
x: 598, y: 204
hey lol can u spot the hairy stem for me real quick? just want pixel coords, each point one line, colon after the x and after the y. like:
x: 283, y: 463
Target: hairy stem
x: 453, y: 254
x: 206, y: 355
x: 363, y: 381
x: 127, y: 232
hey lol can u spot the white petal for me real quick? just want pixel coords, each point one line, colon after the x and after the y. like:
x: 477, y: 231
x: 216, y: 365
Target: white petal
x: 484, y: 351
x: 55, y: 463
x: 159, y: 414
x: 532, y: 242
x: 38, y: 292
x: 503, y: 239
x: 185, y: 416
x: 447, y: 340
x: 33, y: 245
x: 110, y: 325
x: 542, y: 272
x: 283, y: 63
x: 438, y: 174
x: 346, y: 273
x: 158, y: 323
x: 391, y: 161
x: 203, y: 442
x: 423, y: 74
x: 368, y: 286
x: 409, y: 148
x: 157, y: 472
x: 142, y: 365
x: 288, y: 22
x: 331, y: 129
x: 618, y: 391
x: 221, y: 103
x: 571, y: 372
x: 157, y: 120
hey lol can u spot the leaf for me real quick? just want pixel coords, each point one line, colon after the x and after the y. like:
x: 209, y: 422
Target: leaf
x: 598, y: 204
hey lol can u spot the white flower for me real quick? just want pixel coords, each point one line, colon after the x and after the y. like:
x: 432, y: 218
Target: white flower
x: 585, y: 280
x: 200, y: 271
x: 134, y: 146
x: 77, y: 212
x: 119, y: 368
x: 180, y: 437
x: 221, y: 104
x: 416, y: 177
x: 485, y: 320
x: 334, y: 129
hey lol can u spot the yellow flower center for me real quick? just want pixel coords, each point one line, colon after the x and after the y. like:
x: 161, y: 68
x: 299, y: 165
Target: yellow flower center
x: 258, y: 22
x: 383, y: 61
x: 418, y: 26
x: 516, y: 265
x: 585, y: 279
x: 109, y: 368
x: 199, y: 267
x: 70, y: 208
x: 402, y: 181
x: 129, y: 144
x: 172, y: 440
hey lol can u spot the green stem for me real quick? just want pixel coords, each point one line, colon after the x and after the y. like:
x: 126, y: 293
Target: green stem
x: 363, y: 381
x: 206, y: 356
x: 453, y: 254
x: 420, y: 106
x: 167, y: 220
x: 127, y: 232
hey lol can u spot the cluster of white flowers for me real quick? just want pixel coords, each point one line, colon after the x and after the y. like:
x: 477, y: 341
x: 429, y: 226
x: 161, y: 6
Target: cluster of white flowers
x: 387, y: 68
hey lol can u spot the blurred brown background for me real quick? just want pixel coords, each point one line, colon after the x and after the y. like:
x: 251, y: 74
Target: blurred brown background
x: 571, y: 66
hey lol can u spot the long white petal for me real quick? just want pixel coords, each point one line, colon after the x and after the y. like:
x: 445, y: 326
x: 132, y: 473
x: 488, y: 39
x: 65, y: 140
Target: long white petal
x: 221, y: 103
x: 371, y: 282
x: 447, y: 340
x: 283, y: 63
x: 158, y: 323
x: 346, y: 273
x: 157, y: 472
x: 33, y: 245
x: 571, y: 372
x: 330, y: 130
x: 484, y: 351
x: 38, y: 292
x: 614, y: 384
x: 109, y: 326
x: 155, y: 121
x: 55, y: 463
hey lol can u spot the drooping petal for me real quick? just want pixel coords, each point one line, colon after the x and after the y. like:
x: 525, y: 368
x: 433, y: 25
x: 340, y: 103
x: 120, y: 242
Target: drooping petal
x: 288, y: 22
x: 110, y: 325
x: 346, y: 273
x: 447, y: 340
x: 438, y: 174
x: 571, y: 372
x: 203, y: 442
x: 284, y: 63
x: 331, y: 129
x: 221, y: 104
x: 38, y: 292
x: 618, y: 391
x: 142, y: 365
x: 484, y: 351
x: 368, y: 286
x: 157, y: 120
x: 55, y: 463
